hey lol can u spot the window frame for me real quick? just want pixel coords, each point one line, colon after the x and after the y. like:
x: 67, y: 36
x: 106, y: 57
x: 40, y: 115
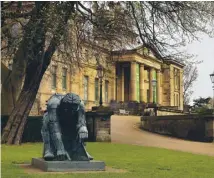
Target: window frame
x: 106, y: 91
x: 54, y: 77
x: 96, y: 89
x: 64, y: 78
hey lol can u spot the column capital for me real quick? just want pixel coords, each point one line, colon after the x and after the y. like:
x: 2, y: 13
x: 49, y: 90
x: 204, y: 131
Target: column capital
x: 181, y: 71
x: 152, y: 69
x: 142, y: 82
x: 133, y: 62
x: 158, y: 70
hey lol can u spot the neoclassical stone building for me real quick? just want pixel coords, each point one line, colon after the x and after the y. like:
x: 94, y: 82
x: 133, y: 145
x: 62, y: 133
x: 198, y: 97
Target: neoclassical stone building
x: 130, y: 75
x: 146, y: 79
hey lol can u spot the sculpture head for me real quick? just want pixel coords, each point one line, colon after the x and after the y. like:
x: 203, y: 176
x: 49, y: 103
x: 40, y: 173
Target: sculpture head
x: 70, y: 103
x: 68, y: 113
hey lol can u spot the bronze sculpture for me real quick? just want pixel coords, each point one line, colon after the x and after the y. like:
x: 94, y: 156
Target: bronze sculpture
x: 64, y: 129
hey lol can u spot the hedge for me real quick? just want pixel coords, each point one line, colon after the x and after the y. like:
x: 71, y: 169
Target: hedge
x: 32, y: 131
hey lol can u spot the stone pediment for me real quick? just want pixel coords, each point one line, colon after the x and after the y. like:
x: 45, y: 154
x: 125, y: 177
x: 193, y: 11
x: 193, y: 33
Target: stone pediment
x: 144, y: 51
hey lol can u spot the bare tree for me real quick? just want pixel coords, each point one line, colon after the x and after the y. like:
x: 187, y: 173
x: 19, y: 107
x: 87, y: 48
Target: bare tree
x: 163, y: 26
x: 64, y: 27
x: 36, y: 55
x: 189, y: 77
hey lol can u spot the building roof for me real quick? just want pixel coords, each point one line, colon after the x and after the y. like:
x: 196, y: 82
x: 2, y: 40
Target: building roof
x: 176, y: 62
x: 148, y: 53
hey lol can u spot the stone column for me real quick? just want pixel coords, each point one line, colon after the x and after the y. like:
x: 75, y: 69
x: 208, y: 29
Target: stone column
x: 118, y: 87
x: 133, y: 87
x: 151, y: 72
x: 158, y: 93
x: 141, y: 82
x: 114, y: 83
x: 181, y: 90
x: 122, y: 84
x: 161, y: 88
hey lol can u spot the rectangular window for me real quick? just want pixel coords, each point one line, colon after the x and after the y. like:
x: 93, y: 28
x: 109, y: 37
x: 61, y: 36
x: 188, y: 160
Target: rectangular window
x: 166, y: 75
x: 85, y: 86
x: 54, y: 76
x: 64, y: 78
x: 106, y: 91
x: 174, y: 99
x: 178, y: 100
x: 96, y: 89
x: 176, y: 79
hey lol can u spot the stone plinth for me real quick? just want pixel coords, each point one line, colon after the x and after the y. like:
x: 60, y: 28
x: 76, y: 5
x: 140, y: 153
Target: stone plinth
x: 99, y: 124
x: 66, y: 166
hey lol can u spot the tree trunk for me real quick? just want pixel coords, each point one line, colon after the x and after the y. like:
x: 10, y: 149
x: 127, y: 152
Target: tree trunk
x: 18, y: 116
x: 13, y: 131
x: 36, y: 67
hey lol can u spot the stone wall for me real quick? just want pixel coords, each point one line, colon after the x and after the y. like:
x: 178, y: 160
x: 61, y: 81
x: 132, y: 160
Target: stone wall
x: 209, y: 125
x: 103, y: 130
x: 167, y: 113
x: 192, y: 127
x: 99, y: 126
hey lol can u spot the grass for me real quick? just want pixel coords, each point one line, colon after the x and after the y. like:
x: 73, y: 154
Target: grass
x: 142, y: 162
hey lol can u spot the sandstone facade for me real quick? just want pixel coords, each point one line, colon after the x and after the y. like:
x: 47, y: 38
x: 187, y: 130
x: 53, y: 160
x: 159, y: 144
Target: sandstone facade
x: 129, y: 76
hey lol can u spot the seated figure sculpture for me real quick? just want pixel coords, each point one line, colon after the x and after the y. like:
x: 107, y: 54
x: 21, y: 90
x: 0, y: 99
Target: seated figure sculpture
x: 64, y: 129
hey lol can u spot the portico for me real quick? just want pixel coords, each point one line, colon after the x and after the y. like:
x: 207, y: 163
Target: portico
x: 135, y: 82
x: 141, y: 77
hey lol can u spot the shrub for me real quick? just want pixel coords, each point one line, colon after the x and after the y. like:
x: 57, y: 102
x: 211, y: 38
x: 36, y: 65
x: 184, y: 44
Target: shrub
x: 32, y: 131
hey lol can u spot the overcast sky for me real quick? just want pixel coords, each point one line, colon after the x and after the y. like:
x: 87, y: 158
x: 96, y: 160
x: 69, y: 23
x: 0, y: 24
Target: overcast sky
x: 205, y: 52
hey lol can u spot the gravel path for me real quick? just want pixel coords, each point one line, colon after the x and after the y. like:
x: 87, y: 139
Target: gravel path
x: 125, y: 129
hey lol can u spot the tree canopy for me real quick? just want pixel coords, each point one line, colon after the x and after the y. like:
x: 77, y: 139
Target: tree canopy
x: 200, y: 102
x: 162, y: 26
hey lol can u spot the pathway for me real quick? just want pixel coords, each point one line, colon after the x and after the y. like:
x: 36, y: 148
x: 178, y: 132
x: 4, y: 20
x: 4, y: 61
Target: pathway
x: 125, y: 129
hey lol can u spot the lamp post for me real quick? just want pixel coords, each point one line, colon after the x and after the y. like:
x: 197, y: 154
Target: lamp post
x: 212, y: 80
x: 100, y: 74
x: 153, y: 86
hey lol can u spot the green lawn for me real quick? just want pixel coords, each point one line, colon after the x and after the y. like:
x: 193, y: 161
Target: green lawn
x: 142, y: 162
